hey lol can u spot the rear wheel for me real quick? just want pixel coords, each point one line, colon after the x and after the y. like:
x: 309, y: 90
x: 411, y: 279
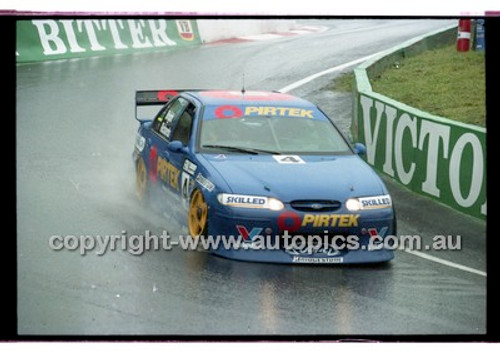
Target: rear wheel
x: 198, y: 214
x: 141, y: 180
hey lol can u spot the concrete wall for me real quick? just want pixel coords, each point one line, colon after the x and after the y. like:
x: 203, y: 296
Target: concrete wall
x: 214, y: 30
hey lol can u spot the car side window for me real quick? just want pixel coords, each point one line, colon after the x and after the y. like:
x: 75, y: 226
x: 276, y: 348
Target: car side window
x: 159, y: 118
x: 183, y: 127
x: 164, y: 121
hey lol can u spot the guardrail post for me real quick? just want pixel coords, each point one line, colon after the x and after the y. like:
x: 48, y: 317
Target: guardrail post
x: 463, y: 38
x: 479, y: 35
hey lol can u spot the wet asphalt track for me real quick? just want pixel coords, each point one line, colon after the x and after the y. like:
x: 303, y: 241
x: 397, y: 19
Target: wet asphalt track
x: 75, y: 133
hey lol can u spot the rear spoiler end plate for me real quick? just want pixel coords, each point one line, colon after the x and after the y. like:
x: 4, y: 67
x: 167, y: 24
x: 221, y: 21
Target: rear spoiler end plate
x: 154, y: 97
x: 157, y: 97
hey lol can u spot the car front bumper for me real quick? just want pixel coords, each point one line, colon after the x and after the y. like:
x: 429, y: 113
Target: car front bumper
x: 329, y: 237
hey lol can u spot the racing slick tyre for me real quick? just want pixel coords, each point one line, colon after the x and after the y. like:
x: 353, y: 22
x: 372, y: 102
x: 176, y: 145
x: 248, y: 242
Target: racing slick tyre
x: 198, y: 214
x: 141, y: 180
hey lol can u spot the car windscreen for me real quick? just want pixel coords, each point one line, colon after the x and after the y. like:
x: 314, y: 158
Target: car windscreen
x: 272, y: 134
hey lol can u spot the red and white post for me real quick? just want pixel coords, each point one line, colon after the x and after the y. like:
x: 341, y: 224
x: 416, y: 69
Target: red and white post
x: 463, y: 39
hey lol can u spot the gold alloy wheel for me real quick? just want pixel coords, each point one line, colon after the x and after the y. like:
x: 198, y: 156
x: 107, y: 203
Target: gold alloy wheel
x: 198, y: 214
x: 141, y: 179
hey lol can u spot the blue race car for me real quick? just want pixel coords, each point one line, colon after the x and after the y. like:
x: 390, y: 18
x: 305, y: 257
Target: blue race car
x: 267, y: 172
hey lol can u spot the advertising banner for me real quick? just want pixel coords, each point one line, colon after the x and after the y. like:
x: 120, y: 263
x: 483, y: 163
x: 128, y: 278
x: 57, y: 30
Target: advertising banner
x: 434, y: 156
x: 46, y: 39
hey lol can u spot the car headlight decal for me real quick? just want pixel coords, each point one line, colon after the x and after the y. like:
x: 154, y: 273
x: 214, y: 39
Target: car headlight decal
x: 250, y: 201
x: 369, y: 203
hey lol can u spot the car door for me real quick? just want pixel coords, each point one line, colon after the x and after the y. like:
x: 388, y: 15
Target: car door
x: 162, y: 171
x: 182, y: 159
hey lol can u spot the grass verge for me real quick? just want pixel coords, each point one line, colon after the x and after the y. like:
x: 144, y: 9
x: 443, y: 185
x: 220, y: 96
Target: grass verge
x: 442, y: 81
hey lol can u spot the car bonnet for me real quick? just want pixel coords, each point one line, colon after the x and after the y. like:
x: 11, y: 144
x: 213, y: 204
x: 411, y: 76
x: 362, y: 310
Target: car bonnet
x: 294, y: 177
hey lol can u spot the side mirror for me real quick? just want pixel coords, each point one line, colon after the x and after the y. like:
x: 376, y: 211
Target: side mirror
x: 176, y: 146
x: 359, y: 149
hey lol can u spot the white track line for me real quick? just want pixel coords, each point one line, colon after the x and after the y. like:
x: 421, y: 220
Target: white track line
x: 445, y: 262
x: 306, y: 80
x: 336, y: 68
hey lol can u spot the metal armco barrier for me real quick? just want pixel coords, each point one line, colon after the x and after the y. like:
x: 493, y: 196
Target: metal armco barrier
x: 463, y: 39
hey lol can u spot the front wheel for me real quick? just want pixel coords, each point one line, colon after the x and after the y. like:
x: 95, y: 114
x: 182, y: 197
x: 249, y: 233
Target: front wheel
x: 198, y: 214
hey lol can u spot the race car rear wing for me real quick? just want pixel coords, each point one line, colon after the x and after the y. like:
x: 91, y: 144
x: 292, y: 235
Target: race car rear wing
x: 153, y: 97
